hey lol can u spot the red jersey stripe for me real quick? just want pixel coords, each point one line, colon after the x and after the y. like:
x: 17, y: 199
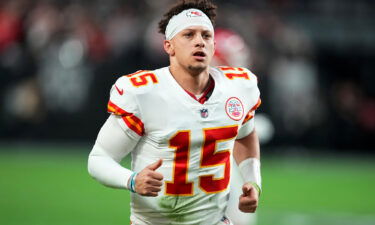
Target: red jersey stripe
x: 250, y: 114
x: 133, y: 122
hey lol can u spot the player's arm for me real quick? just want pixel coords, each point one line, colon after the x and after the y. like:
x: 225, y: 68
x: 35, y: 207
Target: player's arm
x: 111, y: 146
x: 247, y: 156
x: 246, y: 153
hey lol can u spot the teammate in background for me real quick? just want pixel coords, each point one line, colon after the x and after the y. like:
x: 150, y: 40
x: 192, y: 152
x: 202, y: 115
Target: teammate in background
x: 181, y: 125
x: 232, y: 50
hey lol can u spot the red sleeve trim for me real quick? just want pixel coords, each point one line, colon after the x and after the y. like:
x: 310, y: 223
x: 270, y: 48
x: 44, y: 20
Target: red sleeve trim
x: 256, y: 106
x: 113, y: 108
x: 133, y: 122
x: 250, y: 114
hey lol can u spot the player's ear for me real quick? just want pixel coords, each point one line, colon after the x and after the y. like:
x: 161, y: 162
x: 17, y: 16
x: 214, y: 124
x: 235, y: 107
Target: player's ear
x: 168, y: 47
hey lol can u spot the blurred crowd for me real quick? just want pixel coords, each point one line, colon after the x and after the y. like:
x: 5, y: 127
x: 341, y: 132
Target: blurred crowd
x: 314, y: 61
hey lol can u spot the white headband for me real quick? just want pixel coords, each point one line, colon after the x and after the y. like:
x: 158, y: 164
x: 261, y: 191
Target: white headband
x: 187, y: 18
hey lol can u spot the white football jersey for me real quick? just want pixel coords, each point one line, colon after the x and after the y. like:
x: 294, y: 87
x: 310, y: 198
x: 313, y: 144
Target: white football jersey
x: 194, y: 138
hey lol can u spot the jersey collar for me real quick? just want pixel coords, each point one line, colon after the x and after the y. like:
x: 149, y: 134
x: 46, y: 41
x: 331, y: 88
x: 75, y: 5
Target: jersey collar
x: 207, y: 92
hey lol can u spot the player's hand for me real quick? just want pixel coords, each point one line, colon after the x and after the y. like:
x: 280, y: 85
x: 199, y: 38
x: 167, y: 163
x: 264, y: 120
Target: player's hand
x: 249, y: 199
x: 148, y: 182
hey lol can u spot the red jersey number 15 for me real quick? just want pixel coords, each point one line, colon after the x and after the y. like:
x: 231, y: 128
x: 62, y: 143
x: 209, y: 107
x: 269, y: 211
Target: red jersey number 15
x: 209, y: 158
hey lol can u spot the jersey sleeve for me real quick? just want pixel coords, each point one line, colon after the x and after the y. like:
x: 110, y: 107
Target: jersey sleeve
x: 123, y: 103
x: 111, y: 146
x: 248, y: 124
x: 254, y: 101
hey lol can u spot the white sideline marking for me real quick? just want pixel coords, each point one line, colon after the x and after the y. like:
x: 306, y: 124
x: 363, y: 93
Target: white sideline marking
x: 293, y: 218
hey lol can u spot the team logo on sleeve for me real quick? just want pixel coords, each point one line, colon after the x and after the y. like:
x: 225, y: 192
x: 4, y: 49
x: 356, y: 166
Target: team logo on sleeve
x: 234, y: 108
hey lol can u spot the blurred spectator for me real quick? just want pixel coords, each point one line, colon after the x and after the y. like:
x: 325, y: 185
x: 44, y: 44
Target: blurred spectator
x: 10, y: 24
x: 294, y: 87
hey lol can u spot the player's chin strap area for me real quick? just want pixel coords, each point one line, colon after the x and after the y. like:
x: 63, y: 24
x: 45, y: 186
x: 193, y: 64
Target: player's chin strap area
x: 250, y: 171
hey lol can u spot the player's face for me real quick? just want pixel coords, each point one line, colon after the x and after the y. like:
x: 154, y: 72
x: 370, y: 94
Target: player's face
x: 193, y: 48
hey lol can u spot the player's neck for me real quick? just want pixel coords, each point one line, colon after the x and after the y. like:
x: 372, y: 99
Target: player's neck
x: 193, y: 83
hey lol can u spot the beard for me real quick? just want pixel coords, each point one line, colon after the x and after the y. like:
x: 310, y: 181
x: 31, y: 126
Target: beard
x: 197, y: 69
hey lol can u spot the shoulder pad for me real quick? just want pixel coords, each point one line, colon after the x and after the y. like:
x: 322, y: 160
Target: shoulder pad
x: 137, y: 82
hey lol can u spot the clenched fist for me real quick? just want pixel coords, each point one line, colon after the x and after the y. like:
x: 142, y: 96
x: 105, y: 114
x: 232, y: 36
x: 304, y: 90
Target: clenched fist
x: 249, y: 199
x: 148, y: 182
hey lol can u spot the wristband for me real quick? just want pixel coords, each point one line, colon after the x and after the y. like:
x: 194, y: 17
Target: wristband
x: 132, y: 182
x: 250, y: 171
x: 256, y: 186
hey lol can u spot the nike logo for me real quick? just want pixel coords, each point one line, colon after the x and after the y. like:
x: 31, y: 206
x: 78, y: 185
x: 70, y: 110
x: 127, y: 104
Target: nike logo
x: 119, y: 91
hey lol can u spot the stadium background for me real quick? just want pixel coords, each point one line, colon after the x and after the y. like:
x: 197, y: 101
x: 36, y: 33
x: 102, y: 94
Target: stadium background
x: 315, y: 65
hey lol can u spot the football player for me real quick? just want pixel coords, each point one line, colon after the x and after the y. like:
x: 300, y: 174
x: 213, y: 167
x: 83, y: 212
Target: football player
x: 181, y: 124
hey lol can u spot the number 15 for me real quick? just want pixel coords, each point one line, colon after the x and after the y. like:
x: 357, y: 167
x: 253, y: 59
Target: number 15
x: 209, y: 158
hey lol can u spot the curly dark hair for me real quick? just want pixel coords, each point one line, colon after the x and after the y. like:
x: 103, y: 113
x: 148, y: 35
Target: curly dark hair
x: 206, y: 6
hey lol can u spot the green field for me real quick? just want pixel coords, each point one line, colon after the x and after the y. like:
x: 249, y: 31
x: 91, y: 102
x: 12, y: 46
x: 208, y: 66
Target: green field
x: 42, y: 186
